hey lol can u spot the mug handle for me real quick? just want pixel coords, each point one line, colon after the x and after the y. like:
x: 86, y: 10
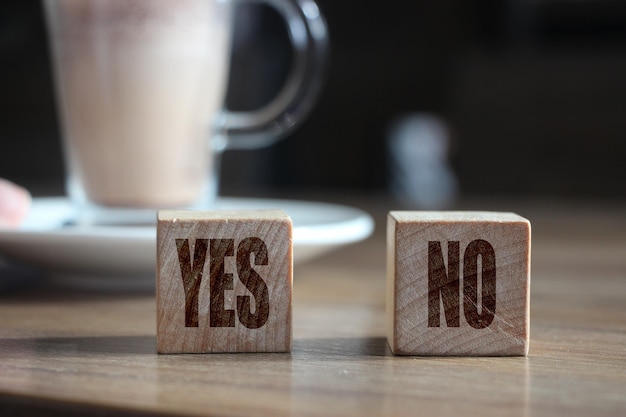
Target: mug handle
x: 263, y: 127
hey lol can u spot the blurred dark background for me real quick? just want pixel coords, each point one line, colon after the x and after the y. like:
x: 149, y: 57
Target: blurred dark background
x: 533, y: 92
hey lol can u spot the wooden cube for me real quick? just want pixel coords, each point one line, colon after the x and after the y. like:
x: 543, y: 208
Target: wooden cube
x: 224, y: 281
x: 458, y: 283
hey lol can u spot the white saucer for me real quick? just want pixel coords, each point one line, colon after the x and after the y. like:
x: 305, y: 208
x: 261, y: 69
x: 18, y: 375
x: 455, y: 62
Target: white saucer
x: 114, y: 256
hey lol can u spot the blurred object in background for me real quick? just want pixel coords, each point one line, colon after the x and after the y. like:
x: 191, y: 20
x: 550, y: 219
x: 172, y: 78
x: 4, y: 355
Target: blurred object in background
x: 535, y: 88
x: 420, y: 172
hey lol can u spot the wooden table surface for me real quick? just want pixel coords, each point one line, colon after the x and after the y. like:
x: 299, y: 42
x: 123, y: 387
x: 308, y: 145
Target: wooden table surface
x: 65, y: 352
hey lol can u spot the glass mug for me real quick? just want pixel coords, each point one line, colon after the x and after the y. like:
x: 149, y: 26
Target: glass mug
x: 140, y: 88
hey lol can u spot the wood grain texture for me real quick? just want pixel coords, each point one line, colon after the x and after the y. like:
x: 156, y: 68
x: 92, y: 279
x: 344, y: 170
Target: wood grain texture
x: 224, y: 281
x: 458, y: 283
x: 95, y: 353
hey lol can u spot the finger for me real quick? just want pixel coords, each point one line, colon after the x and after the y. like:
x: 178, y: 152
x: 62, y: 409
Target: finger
x: 14, y: 204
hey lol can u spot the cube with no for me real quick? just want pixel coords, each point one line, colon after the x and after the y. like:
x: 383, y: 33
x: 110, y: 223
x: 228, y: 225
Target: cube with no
x: 458, y: 283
